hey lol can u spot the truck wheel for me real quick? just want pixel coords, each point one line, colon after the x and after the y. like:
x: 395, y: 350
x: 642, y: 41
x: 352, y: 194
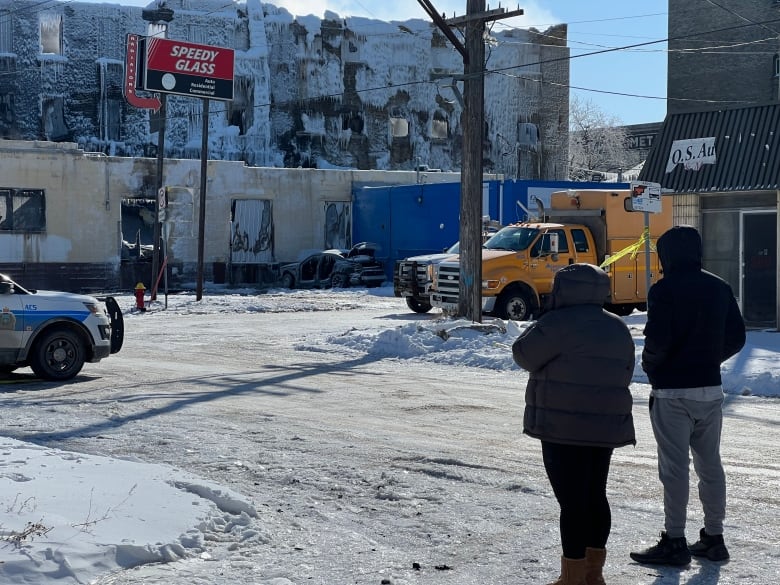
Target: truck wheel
x: 288, y: 281
x: 418, y: 306
x: 514, y: 304
x: 58, y: 355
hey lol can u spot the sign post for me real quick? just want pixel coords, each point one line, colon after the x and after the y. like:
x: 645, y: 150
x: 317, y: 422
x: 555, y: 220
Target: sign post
x: 191, y: 70
x: 646, y: 197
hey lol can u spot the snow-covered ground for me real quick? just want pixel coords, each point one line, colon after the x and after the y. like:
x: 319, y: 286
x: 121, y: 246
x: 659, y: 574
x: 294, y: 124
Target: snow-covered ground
x: 335, y: 437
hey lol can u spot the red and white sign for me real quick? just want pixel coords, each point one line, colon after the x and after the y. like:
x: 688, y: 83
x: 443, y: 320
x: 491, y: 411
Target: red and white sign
x: 132, y: 59
x: 184, y: 68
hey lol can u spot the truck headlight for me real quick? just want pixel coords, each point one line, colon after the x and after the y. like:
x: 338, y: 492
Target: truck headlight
x: 490, y: 284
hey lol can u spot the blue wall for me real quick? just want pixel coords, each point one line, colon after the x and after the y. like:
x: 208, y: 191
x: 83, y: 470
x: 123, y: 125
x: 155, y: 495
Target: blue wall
x: 410, y: 220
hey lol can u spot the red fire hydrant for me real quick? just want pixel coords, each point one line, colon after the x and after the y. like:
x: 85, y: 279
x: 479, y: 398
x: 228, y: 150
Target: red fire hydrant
x: 140, y: 289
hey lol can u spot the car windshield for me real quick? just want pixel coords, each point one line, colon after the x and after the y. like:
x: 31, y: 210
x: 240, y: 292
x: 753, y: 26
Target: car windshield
x: 512, y: 238
x: 454, y: 249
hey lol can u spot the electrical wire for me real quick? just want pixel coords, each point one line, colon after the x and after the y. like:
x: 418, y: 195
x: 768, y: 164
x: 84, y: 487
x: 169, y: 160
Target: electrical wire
x: 504, y: 70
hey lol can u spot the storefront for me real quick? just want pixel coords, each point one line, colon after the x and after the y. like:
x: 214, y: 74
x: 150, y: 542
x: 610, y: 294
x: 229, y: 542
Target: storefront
x: 722, y: 169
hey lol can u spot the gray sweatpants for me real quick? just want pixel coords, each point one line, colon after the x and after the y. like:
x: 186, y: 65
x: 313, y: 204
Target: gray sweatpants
x: 681, y: 425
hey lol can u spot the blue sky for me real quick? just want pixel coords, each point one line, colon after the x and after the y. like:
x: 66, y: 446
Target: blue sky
x: 595, y: 25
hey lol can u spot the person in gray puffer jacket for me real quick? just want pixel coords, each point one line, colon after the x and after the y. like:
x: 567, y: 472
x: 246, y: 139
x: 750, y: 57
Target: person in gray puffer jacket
x: 578, y: 403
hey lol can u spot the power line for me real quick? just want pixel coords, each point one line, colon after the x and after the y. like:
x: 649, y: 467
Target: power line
x: 504, y: 70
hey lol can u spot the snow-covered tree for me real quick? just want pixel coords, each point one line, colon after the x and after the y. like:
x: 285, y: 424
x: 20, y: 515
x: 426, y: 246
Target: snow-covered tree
x: 597, y: 141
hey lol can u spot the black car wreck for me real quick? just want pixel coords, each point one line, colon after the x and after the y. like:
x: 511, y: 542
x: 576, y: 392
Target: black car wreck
x: 336, y: 268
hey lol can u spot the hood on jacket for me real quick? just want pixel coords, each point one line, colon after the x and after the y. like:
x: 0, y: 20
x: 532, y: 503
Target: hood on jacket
x: 679, y: 248
x: 579, y: 284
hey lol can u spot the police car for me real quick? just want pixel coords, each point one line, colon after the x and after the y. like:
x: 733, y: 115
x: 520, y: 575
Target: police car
x: 55, y: 333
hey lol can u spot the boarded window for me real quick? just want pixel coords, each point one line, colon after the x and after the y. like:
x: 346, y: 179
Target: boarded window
x: 252, y: 229
x: 51, y: 34
x: 439, y: 127
x: 399, y: 127
x: 22, y: 210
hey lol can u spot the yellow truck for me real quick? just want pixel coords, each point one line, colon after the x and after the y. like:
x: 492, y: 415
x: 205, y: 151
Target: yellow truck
x: 520, y: 260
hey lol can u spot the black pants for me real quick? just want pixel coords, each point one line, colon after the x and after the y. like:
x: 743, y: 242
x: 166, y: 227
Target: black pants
x: 578, y: 476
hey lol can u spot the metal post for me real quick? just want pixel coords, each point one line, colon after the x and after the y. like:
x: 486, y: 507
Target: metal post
x: 157, y: 228
x: 204, y: 158
x: 647, y: 254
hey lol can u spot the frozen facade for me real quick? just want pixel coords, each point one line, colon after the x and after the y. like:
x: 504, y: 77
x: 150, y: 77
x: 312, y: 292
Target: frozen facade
x: 331, y: 93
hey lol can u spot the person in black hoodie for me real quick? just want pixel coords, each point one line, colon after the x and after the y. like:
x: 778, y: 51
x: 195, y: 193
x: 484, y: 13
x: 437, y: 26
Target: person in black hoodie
x: 578, y: 403
x: 693, y: 325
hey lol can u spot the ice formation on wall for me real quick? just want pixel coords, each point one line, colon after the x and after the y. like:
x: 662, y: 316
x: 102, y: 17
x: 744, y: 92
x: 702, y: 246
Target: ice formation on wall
x: 307, y: 91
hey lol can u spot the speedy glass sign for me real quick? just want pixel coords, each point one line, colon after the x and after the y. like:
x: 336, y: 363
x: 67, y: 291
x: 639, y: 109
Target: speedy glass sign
x: 189, y: 69
x: 644, y: 197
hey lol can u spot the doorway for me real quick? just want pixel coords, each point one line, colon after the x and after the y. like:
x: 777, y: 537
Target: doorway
x: 759, y: 268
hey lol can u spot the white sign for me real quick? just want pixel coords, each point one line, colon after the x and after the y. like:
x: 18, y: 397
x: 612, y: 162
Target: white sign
x: 645, y: 197
x: 692, y: 153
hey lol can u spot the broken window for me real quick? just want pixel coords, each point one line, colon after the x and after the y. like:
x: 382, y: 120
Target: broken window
x: 51, y: 34
x: 399, y: 127
x: 53, y: 117
x: 240, y: 111
x: 439, y: 127
x: 110, y: 79
x: 22, y: 210
x: 7, y: 107
x: 353, y: 122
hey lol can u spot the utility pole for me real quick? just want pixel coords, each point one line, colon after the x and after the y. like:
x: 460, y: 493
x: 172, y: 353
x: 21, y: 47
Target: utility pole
x: 473, y: 53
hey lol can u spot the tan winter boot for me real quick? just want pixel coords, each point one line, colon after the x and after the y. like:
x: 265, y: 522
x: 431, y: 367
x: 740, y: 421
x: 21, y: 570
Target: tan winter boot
x: 572, y: 572
x: 594, y: 563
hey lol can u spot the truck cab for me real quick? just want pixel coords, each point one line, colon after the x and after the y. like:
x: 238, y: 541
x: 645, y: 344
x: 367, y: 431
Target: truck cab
x: 591, y: 225
x: 518, y: 266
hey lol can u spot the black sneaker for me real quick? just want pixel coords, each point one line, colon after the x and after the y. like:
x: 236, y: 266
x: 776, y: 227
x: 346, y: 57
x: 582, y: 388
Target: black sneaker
x: 668, y: 551
x: 709, y: 546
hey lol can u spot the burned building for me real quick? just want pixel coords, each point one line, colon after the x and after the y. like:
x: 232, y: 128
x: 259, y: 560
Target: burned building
x: 308, y: 92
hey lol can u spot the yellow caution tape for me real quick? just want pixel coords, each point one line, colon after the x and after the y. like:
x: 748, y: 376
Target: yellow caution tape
x: 633, y: 249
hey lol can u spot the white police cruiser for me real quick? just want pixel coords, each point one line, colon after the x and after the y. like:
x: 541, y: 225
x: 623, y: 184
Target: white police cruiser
x: 55, y: 333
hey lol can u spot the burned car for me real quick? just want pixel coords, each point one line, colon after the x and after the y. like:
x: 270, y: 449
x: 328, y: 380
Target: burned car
x: 357, y: 266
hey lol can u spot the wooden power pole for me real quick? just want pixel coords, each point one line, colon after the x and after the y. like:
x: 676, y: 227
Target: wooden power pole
x: 473, y: 53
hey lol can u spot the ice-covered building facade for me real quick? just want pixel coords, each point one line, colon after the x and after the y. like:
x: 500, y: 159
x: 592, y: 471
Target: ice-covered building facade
x: 308, y: 92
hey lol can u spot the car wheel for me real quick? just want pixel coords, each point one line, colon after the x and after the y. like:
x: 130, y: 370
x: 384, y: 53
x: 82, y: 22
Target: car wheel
x: 418, y: 306
x: 339, y: 281
x: 58, y: 355
x: 515, y: 304
x: 288, y: 281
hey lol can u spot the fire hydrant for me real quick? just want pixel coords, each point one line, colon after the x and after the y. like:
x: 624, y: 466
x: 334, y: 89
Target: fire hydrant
x: 140, y: 289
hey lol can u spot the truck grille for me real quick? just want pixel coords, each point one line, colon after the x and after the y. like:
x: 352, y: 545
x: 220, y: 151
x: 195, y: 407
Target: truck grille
x: 407, y: 272
x: 449, y: 279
